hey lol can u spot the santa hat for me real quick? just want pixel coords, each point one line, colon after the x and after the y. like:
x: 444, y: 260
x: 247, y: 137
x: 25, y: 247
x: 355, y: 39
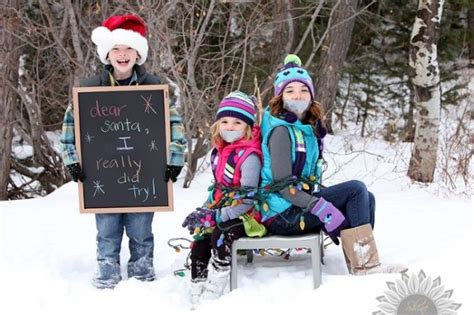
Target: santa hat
x: 128, y: 30
x: 292, y: 72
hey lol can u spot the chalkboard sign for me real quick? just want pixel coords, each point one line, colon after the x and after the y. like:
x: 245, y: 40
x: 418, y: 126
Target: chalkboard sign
x: 122, y: 139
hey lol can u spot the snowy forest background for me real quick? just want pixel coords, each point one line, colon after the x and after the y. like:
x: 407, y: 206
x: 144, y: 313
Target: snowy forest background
x: 358, y: 51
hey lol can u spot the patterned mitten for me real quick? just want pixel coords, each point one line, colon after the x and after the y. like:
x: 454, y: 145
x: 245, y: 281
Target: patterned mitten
x: 333, y: 219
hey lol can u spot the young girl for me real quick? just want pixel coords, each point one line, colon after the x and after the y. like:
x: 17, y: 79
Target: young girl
x: 292, y: 133
x: 236, y: 165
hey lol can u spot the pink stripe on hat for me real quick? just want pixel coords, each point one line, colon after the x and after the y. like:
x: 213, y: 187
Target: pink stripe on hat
x: 239, y: 105
x: 233, y: 103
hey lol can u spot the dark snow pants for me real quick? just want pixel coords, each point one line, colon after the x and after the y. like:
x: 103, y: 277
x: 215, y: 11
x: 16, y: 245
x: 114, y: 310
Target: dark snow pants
x: 222, y: 247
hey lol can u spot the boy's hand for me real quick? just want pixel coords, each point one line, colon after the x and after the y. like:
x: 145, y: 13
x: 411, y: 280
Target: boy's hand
x: 172, y: 172
x: 76, y: 172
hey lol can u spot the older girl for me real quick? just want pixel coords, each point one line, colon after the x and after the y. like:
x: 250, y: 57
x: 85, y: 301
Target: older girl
x: 292, y: 133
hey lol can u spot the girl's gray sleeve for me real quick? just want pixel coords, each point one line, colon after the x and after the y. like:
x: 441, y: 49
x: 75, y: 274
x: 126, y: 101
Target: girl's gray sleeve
x: 250, y: 177
x: 280, y: 152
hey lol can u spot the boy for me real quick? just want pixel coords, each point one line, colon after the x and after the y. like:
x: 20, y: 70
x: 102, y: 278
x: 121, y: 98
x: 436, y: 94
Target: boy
x: 122, y: 46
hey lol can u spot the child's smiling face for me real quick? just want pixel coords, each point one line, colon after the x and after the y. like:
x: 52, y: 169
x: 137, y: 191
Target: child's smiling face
x: 122, y: 58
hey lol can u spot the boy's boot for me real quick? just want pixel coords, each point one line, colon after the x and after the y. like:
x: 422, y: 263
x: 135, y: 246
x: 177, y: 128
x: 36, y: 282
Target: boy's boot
x: 195, y: 291
x: 142, y: 269
x: 361, y: 252
x: 107, y: 275
x: 217, y: 278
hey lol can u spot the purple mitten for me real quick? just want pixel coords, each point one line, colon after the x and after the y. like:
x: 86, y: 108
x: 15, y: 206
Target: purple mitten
x: 333, y: 219
x: 197, y: 218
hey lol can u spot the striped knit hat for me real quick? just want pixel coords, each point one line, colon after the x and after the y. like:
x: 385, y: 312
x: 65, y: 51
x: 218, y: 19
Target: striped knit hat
x: 238, y: 105
x: 292, y: 72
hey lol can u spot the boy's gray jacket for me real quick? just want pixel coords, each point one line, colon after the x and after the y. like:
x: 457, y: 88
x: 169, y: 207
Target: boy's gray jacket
x: 140, y: 77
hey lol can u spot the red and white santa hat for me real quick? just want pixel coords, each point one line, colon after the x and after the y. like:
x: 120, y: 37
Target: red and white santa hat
x: 127, y: 30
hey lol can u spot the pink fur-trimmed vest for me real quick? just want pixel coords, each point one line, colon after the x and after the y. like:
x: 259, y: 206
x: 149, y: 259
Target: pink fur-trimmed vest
x: 226, y: 160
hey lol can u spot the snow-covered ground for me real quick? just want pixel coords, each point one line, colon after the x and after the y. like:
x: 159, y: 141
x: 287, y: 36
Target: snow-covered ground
x: 48, y: 250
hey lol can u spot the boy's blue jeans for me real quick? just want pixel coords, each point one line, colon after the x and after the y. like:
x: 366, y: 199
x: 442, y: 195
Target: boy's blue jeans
x: 351, y: 197
x: 110, y: 228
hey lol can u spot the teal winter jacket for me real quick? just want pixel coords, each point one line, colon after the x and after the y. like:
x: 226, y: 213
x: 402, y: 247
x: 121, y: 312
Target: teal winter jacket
x: 276, y: 203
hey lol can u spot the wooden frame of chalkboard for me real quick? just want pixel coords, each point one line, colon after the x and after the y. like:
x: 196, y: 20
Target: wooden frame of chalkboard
x: 122, y: 137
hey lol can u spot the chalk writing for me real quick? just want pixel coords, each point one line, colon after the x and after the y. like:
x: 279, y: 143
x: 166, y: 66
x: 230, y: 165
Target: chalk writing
x: 124, y: 140
x: 125, y: 147
x: 105, y: 111
x: 153, y: 146
x: 143, y: 192
x: 148, y: 105
x: 98, y: 187
x: 89, y: 138
x: 121, y: 162
x: 125, y: 125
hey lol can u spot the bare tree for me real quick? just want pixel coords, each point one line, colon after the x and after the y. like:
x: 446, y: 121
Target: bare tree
x: 284, y: 24
x: 283, y: 30
x: 204, y: 52
x: 424, y: 74
x: 470, y: 27
x: 456, y: 150
x: 9, y: 57
x: 55, y: 47
x: 333, y: 54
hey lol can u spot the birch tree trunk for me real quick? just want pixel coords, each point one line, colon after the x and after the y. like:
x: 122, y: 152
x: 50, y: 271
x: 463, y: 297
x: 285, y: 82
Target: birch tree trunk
x: 333, y: 55
x: 8, y: 98
x: 424, y: 74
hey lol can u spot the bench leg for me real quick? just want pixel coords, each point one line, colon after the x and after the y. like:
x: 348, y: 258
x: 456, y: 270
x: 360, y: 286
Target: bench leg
x: 321, y: 237
x: 316, y: 264
x: 233, y: 270
x: 249, y: 253
x: 316, y: 261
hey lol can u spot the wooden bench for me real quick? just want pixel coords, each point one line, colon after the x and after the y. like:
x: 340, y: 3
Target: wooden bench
x: 310, y: 241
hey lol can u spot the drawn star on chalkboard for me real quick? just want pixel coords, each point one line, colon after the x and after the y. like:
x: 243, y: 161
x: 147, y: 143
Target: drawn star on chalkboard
x: 98, y: 187
x: 148, y: 104
x: 153, y: 146
x: 89, y: 138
